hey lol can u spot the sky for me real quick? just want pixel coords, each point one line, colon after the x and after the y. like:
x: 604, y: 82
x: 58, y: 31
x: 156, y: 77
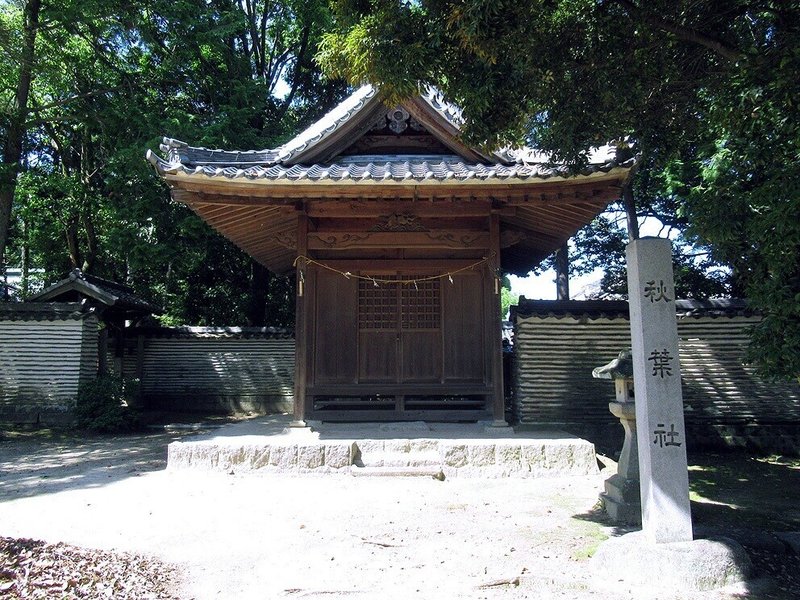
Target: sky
x: 543, y: 287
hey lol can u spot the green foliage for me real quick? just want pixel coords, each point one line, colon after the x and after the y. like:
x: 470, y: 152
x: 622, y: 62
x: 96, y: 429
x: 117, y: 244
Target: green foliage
x: 110, y: 77
x: 748, y: 202
x: 507, y: 298
x: 104, y: 404
x: 704, y: 92
x: 601, y: 245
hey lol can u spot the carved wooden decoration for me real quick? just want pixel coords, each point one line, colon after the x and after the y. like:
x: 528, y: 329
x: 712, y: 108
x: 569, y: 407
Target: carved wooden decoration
x: 510, y: 237
x: 399, y: 222
x: 286, y: 239
x: 398, y: 119
x: 459, y: 240
x: 382, y: 240
x: 337, y: 240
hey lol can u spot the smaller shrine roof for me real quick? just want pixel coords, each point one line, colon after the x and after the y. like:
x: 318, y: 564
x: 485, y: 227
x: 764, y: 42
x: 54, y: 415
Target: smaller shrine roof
x: 45, y: 311
x: 108, y: 293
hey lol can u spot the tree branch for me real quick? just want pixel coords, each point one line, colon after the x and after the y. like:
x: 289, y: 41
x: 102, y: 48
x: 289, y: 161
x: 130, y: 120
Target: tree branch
x: 300, y: 56
x: 682, y: 32
x: 73, y: 98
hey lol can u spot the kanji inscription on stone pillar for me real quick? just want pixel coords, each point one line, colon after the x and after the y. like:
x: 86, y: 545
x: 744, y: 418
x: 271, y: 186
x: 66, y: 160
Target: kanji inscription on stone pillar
x: 664, y: 476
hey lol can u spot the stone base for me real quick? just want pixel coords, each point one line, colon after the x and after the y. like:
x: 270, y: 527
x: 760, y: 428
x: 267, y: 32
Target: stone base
x: 304, y: 450
x: 621, y: 512
x: 698, y: 565
x: 621, y: 500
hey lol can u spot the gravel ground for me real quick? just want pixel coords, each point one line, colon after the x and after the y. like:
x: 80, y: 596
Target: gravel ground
x: 208, y: 536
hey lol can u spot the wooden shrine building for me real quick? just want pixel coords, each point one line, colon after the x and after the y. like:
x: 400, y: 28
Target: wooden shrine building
x: 398, y: 233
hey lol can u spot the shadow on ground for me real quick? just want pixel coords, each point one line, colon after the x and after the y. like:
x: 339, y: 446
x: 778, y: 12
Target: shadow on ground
x: 736, y: 489
x: 45, y: 461
x: 751, y: 500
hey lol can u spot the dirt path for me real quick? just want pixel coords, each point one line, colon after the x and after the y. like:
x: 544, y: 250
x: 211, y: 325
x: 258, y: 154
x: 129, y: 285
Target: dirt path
x: 309, y: 537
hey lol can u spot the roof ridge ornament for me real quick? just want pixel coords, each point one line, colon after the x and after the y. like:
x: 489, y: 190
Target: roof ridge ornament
x: 398, y: 119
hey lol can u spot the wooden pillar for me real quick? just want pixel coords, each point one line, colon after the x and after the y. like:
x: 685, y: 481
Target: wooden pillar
x: 102, y: 351
x: 301, y: 324
x: 119, y: 347
x: 495, y: 339
x: 140, y: 357
x: 562, y: 272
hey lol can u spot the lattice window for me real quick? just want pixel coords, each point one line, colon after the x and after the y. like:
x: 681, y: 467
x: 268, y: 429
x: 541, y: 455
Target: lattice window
x: 377, y: 306
x: 390, y: 305
x: 420, y: 305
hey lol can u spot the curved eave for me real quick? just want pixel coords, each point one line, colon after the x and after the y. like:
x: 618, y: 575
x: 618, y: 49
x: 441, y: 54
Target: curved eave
x: 177, y: 173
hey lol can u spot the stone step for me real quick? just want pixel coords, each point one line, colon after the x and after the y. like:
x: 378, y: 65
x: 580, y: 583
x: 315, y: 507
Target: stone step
x: 470, y: 454
x: 408, y: 471
x: 400, y: 459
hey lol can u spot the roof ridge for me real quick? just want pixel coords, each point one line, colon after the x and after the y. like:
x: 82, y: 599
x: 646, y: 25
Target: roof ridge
x: 329, y: 123
x: 252, y: 163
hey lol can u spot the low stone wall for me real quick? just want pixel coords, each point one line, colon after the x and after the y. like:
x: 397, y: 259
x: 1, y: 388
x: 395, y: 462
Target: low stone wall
x: 47, y: 351
x: 226, y: 370
x: 558, y: 343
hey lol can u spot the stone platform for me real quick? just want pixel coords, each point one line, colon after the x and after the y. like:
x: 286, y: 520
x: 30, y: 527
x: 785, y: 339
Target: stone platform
x: 268, y: 444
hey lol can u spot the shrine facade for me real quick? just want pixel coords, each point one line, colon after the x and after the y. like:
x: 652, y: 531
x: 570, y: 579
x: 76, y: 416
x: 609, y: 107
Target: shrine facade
x: 398, y: 234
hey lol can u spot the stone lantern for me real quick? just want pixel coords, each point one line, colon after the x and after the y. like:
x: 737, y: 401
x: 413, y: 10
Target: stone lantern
x: 621, y: 498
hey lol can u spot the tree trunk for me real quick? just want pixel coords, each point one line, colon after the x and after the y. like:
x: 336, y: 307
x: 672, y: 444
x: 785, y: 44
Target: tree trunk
x: 562, y: 272
x: 630, y: 212
x: 12, y: 148
x: 73, y: 245
x: 25, y: 284
x: 91, y: 242
x: 259, y: 289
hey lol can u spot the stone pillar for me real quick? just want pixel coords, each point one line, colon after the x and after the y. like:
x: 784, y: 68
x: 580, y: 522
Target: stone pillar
x: 664, y: 476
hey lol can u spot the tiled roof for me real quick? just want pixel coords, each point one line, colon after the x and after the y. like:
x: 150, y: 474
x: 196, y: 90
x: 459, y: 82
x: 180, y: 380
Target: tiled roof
x: 44, y: 311
x: 106, y: 292
x: 327, y: 124
x: 396, y: 168
x: 279, y: 164
x: 593, y: 309
x: 214, y: 332
x: 190, y: 156
x: 178, y: 152
x: 450, y: 112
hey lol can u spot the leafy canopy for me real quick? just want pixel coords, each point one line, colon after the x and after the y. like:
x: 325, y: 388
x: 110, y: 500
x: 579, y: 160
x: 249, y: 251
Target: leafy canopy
x: 108, y: 79
x: 705, y: 91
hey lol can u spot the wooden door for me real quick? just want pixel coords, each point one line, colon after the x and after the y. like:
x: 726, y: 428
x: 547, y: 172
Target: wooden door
x: 399, y: 331
x: 335, y: 327
x: 378, y: 333
x: 421, y: 331
x: 465, y: 356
